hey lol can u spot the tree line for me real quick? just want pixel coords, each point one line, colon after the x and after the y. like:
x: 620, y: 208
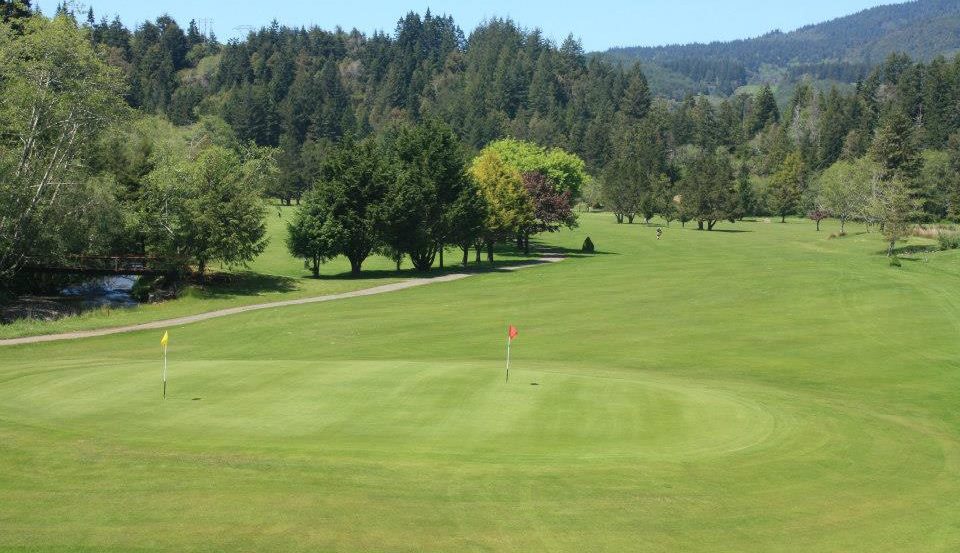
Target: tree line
x: 411, y: 192
x: 892, y: 142
x: 178, y: 131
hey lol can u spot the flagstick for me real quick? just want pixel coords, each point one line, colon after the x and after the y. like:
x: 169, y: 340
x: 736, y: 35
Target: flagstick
x: 508, y: 359
x: 164, y: 372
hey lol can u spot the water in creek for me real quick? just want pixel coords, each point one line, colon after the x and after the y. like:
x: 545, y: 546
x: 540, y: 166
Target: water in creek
x: 108, y: 291
x: 114, y: 292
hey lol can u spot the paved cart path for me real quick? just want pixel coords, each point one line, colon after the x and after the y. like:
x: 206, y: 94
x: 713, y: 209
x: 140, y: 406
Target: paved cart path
x: 411, y: 283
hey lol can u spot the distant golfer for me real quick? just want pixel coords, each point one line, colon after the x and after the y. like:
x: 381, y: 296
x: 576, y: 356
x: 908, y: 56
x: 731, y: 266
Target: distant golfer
x: 659, y: 233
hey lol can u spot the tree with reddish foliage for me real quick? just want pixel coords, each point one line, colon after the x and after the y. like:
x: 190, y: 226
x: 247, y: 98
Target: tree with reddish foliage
x: 818, y: 215
x: 552, y: 208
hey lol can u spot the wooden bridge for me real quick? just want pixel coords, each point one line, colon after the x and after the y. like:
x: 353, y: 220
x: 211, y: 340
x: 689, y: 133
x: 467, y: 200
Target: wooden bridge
x: 100, y: 265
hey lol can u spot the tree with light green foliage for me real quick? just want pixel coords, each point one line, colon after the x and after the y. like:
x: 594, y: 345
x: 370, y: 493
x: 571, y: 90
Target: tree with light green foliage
x: 510, y: 208
x: 566, y: 171
x: 592, y: 193
x: 893, y: 205
x: 845, y: 189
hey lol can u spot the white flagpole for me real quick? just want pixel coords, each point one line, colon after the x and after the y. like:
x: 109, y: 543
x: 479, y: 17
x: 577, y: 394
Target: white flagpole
x: 508, y: 359
x: 164, y: 372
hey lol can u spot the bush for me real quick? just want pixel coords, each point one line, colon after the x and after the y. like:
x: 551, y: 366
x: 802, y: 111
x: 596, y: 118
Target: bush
x: 587, y: 246
x: 150, y: 290
x: 894, y: 261
x: 949, y: 240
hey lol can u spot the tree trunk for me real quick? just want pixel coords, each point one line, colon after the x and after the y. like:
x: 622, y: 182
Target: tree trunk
x: 619, y: 217
x: 699, y: 225
x: 466, y: 254
x: 711, y: 224
x: 315, y: 269
x: 842, y: 221
x: 630, y: 219
x: 818, y: 225
x: 202, y: 270
x: 890, y: 249
x: 526, y: 244
x: 478, y: 248
x: 783, y: 218
x: 441, y: 257
x: 423, y: 260
x: 490, y: 251
x: 355, y: 265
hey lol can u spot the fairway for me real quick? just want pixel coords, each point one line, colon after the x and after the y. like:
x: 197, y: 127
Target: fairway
x: 757, y: 388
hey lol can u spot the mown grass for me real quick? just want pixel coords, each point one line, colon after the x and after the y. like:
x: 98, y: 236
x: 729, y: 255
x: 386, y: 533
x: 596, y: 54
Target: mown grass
x: 766, y: 390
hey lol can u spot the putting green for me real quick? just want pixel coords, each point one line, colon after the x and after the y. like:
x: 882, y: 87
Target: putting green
x: 769, y: 390
x: 396, y: 409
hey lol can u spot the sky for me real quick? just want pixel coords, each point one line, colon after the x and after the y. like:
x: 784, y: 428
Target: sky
x: 599, y: 24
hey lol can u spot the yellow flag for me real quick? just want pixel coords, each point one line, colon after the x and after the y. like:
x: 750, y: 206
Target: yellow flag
x: 165, y: 339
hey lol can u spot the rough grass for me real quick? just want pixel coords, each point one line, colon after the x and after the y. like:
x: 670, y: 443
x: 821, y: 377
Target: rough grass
x: 767, y: 390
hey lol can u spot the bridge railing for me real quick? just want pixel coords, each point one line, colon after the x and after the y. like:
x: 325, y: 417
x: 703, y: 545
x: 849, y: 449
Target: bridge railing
x: 113, y: 264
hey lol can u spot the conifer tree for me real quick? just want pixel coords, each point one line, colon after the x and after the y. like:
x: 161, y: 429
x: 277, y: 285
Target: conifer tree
x: 787, y: 186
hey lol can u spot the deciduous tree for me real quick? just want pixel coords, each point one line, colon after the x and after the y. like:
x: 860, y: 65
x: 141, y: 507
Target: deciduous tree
x: 206, y: 208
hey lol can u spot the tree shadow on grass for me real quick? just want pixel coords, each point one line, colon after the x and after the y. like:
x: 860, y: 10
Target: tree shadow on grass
x: 561, y: 251
x: 226, y: 285
x: 246, y: 283
x: 449, y: 268
x: 911, y: 249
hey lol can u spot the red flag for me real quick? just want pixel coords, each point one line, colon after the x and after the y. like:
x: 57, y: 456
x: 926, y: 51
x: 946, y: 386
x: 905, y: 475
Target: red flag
x: 512, y: 332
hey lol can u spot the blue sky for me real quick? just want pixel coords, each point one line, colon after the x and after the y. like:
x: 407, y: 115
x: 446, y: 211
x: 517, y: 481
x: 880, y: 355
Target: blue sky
x: 600, y: 24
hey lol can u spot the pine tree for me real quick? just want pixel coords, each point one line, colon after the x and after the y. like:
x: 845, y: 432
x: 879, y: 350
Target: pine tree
x: 895, y: 147
x: 635, y: 103
x: 13, y: 11
x: 194, y: 37
x: 765, y: 111
x: 787, y: 186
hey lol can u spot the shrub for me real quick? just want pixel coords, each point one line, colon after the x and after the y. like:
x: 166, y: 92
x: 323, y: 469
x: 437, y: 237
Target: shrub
x: 587, y: 246
x: 949, y: 240
x: 894, y: 261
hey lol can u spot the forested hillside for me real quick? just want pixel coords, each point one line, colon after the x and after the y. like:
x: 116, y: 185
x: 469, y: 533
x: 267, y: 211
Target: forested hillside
x: 843, y: 49
x: 172, y: 152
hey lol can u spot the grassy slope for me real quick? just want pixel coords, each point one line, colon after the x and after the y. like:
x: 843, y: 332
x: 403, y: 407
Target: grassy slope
x: 768, y: 390
x: 273, y: 276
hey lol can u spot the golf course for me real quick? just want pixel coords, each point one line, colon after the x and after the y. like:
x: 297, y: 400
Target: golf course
x: 761, y: 387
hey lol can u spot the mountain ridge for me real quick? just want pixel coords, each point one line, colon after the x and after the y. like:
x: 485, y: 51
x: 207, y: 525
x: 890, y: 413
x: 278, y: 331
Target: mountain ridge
x: 841, y: 49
